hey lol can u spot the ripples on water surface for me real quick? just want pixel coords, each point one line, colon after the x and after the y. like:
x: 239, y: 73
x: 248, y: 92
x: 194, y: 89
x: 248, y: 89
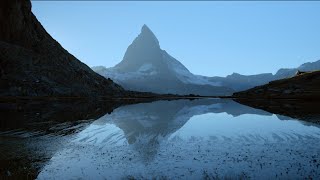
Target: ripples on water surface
x: 208, y: 138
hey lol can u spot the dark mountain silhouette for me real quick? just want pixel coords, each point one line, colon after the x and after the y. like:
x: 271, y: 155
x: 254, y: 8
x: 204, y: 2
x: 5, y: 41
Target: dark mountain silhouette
x: 296, y: 97
x: 304, y: 86
x: 34, y: 64
x: 146, y: 67
x: 243, y: 82
x: 287, y: 72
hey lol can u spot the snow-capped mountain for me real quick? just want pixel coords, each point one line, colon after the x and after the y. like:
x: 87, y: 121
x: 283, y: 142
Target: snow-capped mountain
x: 146, y: 67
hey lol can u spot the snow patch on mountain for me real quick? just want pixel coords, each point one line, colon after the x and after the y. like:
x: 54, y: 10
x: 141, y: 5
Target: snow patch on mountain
x: 118, y: 76
x: 183, y: 74
x: 147, y: 69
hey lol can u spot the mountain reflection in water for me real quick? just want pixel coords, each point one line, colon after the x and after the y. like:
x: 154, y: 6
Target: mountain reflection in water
x: 205, y: 138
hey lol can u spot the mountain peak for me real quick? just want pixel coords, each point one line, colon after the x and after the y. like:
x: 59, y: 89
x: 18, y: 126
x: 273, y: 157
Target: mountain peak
x: 147, y: 35
x: 145, y: 28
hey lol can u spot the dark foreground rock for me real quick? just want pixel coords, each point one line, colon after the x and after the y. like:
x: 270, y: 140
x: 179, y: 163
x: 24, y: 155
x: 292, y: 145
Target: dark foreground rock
x: 32, y: 63
x: 304, y: 86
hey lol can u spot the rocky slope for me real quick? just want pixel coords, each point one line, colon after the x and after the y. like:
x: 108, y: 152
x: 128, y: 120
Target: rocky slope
x: 304, y: 86
x: 241, y: 82
x: 32, y: 63
x: 290, y: 72
x: 146, y: 67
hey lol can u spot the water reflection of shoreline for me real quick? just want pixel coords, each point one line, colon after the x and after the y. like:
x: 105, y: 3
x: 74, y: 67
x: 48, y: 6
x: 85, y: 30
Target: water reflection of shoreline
x: 180, y: 137
x: 142, y: 130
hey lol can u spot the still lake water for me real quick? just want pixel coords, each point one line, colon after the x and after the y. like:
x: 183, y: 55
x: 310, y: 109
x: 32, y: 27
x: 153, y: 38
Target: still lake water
x: 182, y: 139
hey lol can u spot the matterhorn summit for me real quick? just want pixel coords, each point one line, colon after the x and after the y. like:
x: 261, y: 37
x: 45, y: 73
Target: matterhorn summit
x: 146, y: 67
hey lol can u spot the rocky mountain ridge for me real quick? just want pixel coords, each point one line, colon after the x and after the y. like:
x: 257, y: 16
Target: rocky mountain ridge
x: 34, y: 64
x: 304, y: 86
x: 146, y: 67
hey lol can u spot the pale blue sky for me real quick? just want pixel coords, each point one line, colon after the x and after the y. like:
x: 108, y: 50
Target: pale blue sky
x: 209, y: 38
